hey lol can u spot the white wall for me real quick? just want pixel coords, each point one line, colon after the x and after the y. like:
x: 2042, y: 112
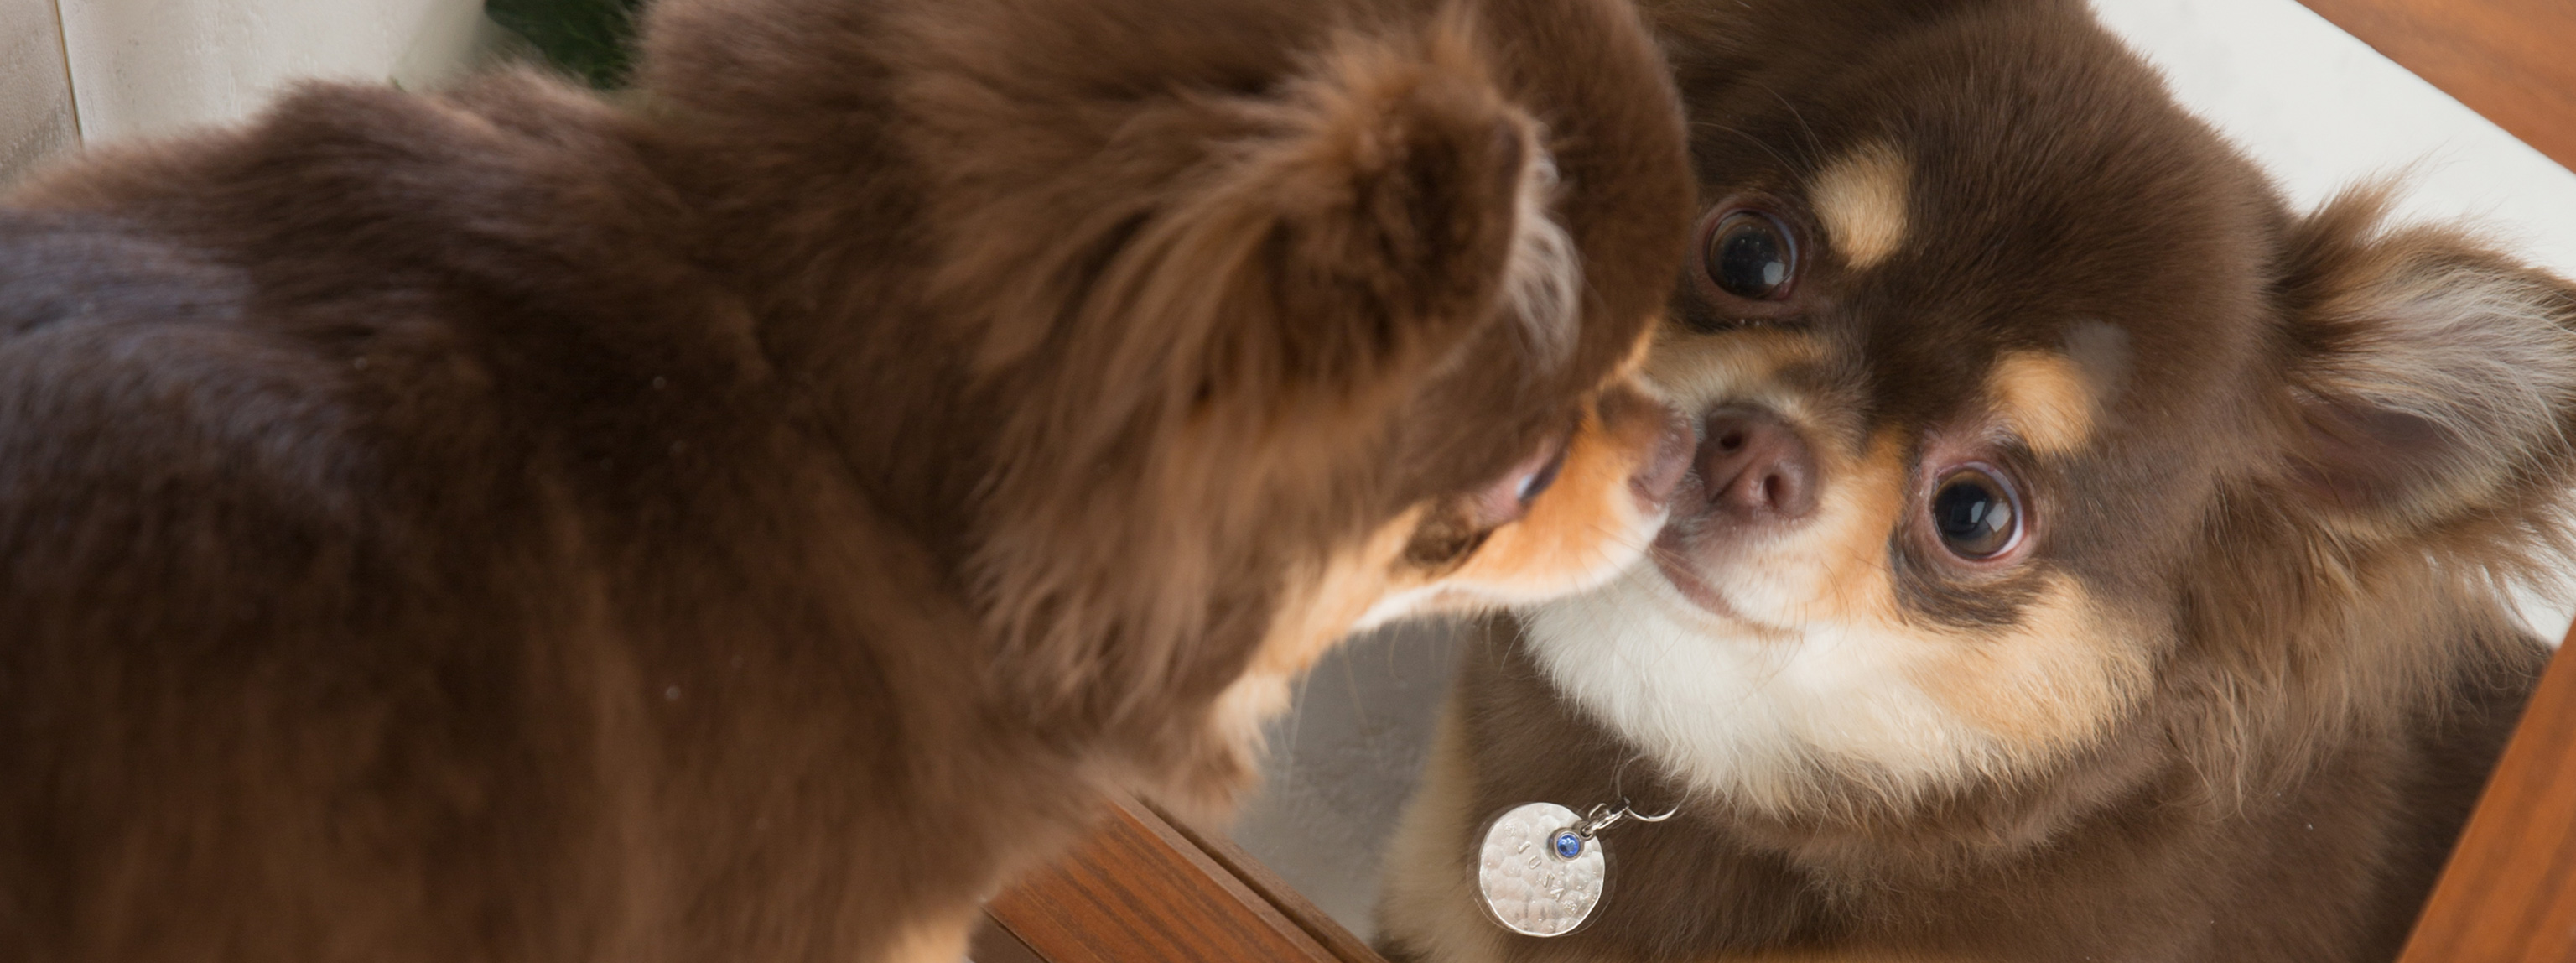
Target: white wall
x: 2321, y: 109
x: 154, y: 66
x: 36, y: 118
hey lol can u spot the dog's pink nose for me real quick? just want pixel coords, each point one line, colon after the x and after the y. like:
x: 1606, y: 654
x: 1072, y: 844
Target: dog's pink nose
x: 1655, y: 480
x: 1755, y: 467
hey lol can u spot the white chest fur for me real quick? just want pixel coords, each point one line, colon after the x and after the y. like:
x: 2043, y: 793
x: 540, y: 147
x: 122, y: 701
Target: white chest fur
x: 1768, y: 717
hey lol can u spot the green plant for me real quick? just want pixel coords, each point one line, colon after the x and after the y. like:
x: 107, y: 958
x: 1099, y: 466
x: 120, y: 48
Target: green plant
x: 592, y: 39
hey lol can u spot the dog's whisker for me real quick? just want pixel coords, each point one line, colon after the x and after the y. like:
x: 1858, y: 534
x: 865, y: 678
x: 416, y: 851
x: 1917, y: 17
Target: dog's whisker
x: 1755, y: 141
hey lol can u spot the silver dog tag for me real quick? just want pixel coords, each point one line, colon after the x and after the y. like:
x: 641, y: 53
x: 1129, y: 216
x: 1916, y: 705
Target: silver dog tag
x: 1539, y: 871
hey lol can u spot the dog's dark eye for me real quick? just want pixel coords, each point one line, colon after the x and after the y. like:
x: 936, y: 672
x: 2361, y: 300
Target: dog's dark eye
x: 1975, y: 514
x: 1537, y: 481
x: 1750, y: 255
x: 1507, y: 499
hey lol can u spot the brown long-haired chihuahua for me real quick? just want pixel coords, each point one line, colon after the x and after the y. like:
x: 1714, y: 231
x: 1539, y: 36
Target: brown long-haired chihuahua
x: 749, y: 522
x: 2087, y: 557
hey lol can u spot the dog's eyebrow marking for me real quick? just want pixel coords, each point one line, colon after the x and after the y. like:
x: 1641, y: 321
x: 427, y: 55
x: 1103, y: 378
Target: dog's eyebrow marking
x: 2047, y: 399
x: 1862, y: 201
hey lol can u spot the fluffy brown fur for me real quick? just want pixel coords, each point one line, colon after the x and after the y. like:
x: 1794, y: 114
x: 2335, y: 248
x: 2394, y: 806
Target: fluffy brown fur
x: 751, y: 523
x: 2226, y: 685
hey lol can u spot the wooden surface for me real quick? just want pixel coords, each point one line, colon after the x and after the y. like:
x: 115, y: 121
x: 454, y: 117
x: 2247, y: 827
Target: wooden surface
x: 993, y: 944
x: 1344, y: 947
x: 1141, y: 890
x: 2511, y: 60
x: 2509, y: 895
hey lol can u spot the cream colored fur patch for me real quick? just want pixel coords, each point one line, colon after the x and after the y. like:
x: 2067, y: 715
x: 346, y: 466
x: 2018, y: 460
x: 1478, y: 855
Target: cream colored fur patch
x: 941, y: 939
x: 1735, y: 367
x: 1862, y: 201
x: 2047, y: 400
x: 1773, y: 716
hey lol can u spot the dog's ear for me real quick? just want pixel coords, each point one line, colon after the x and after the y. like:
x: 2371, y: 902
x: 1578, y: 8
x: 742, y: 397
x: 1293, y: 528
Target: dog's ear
x: 1360, y: 223
x: 2433, y: 379
x: 1216, y: 379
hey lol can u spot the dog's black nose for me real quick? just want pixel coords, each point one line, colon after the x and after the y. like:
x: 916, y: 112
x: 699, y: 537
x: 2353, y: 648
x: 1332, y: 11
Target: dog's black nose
x: 1756, y: 467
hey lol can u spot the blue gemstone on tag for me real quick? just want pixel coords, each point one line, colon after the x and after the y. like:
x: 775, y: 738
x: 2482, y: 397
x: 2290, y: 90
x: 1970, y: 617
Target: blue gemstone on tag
x: 1568, y: 844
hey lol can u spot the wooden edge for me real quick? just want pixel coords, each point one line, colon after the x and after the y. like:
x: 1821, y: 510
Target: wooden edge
x: 2505, y: 59
x: 2509, y: 893
x: 1335, y: 938
x: 992, y: 943
x: 1139, y: 890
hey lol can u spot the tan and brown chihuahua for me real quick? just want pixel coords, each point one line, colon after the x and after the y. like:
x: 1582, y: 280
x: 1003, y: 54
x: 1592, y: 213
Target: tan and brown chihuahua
x: 2090, y: 558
